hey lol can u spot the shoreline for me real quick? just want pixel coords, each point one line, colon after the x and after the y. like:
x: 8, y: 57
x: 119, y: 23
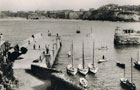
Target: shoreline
x: 19, y: 18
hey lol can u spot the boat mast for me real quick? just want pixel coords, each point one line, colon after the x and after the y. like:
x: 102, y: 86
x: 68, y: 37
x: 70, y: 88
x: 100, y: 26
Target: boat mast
x: 93, y: 52
x: 72, y: 53
x: 131, y: 71
x: 83, y: 55
x: 124, y: 72
x: 138, y: 56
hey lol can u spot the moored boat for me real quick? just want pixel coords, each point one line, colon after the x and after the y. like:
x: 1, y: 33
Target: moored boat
x: 70, y: 69
x: 103, y: 59
x: 78, y: 31
x: 122, y: 65
x: 81, y: 67
x: 137, y: 62
x: 83, y: 82
x: 91, y: 66
x: 125, y: 83
x: 82, y: 70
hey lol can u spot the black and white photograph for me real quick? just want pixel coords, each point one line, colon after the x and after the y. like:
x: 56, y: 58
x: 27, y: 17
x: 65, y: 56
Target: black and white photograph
x: 69, y: 44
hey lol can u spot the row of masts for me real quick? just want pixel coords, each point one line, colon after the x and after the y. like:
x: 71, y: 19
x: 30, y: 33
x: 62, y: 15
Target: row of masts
x: 81, y: 67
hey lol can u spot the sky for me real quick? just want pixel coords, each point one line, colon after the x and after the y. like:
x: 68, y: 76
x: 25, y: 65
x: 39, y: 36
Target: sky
x: 27, y: 5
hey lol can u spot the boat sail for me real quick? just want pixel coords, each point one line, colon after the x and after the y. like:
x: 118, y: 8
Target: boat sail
x: 70, y: 68
x: 125, y: 83
x: 91, y: 66
x: 137, y: 62
x: 81, y: 67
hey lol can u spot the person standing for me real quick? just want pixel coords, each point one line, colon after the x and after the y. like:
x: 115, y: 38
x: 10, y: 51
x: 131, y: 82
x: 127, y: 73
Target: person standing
x: 39, y: 47
x: 34, y: 46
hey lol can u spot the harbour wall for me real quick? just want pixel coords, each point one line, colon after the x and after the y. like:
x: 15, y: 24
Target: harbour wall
x: 58, y: 79
x: 60, y: 82
x: 127, y: 40
x: 51, y: 59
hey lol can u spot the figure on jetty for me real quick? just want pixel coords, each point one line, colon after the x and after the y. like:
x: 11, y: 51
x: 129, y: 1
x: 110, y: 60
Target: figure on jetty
x: 57, y: 36
x: 34, y: 46
x: 69, y: 53
x: 1, y: 37
x: 33, y: 37
x: 47, y: 49
x: 39, y: 47
x: 49, y: 33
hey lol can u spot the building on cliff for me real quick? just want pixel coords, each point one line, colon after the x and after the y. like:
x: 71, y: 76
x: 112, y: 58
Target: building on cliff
x: 126, y: 36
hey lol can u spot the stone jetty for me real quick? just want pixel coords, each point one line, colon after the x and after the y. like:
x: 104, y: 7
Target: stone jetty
x: 42, y: 51
x: 40, y: 58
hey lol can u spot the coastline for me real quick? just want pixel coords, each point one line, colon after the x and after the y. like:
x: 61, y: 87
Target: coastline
x: 19, y: 18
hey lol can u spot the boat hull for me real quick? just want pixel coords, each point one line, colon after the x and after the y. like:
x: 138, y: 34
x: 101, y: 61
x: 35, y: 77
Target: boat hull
x: 71, y: 70
x: 92, y: 69
x: 102, y: 60
x: 120, y: 65
x: 78, y: 31
x: 137, y: 65
x: 126, y: 84
x: 82, y: 71
x: 83, y: 82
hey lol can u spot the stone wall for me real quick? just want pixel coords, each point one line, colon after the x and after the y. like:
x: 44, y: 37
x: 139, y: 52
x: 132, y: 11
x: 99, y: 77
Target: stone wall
x: 126, y: 40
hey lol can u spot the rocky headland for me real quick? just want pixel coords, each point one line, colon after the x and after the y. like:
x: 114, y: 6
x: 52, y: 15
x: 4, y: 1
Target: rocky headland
x: 110, y: 12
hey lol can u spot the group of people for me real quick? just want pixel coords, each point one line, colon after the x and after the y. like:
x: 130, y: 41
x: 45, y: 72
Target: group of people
x: 38, y: 47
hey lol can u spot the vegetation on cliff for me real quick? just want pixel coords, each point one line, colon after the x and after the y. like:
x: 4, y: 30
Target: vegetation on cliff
x: 111, y: 12
x: 7, y: 79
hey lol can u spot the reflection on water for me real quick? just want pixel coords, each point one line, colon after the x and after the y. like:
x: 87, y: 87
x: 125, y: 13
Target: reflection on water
x: 109, y: 74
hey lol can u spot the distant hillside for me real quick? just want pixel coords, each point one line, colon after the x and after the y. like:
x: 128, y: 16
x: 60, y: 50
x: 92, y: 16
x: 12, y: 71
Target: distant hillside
x: 110, y: 12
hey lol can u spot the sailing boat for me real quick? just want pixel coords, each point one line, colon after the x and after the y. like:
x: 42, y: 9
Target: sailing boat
x: 81, y: 67
x: 91, y: 66
x: 137, y: 63
x: 125, y: 83
x: 70, y: 69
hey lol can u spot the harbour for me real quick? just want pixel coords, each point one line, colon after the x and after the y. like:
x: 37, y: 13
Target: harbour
x: 106, y: 77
